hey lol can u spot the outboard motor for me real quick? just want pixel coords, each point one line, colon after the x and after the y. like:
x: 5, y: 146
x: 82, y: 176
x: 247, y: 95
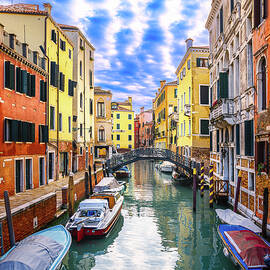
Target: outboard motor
x: 266, y: 259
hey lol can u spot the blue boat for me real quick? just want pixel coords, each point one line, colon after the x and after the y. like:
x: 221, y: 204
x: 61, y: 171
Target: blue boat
x: 123, y: 172
x: 244, y: 247
x: 43, y: 250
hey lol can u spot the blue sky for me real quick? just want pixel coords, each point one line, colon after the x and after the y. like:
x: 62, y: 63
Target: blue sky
x: 137, y: 42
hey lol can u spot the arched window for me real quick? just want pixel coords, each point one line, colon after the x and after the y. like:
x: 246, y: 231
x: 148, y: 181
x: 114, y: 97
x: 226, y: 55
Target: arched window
x: 100, y: 108
x: 261, y: 77
x: 81, y: 101
x: 101, y: 134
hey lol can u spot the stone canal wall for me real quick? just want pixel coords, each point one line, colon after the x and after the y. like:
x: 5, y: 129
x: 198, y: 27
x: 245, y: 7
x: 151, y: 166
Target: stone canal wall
x: 36, y: 214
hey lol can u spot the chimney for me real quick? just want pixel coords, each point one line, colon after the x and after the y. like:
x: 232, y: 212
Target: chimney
x: 1, y: 33
x: 162, y: 83
x: 189, y: 43
x: 130, y: 100
x: 142, y: 109
x: 48, y: 7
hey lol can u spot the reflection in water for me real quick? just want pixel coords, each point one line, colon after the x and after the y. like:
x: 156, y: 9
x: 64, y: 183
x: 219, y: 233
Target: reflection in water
x: 157, y: 230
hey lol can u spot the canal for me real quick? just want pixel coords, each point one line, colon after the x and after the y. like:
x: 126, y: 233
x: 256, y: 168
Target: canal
x: 157, y: 230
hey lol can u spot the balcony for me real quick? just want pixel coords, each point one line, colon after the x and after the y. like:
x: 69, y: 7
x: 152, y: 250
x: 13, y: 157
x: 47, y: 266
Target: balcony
x: 222, y: 112
x: 187, y: 110
x: 174, y: 116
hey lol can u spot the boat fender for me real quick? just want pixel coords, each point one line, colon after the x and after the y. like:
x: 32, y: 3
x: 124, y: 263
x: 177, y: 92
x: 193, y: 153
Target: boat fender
x: 266, y: 259
x: 225, y: 252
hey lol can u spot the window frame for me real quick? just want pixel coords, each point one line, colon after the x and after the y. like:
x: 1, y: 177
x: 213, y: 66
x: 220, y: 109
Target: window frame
x: 204, y: 119
x: 202, y: 104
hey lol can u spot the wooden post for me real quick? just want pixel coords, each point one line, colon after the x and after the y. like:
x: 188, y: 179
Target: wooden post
x: 202, y: 179
x: 9, y: 220
x: 194, y: 189
x: 265, y: 212
x: 71, y: 195
x: 90, y: 179
x: 86, y: 186
x: 211, y: 188
x: 237, y: 192
x: 1, y: 241
x: 95, y: 173
x: 103, y: 169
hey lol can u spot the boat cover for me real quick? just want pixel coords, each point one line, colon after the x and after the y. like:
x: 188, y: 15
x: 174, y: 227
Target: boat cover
x: 32, y: 253
x: 232, y: 218
x: 106, y: 183
x: 249, y: 246
x: 93, y: 204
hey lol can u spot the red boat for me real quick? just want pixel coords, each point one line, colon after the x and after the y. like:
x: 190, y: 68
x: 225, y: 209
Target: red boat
x: 95, y: 216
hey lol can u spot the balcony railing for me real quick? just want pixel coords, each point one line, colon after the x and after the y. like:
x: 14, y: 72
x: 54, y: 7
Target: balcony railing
x: 223, y: 109
x: 187, y: 109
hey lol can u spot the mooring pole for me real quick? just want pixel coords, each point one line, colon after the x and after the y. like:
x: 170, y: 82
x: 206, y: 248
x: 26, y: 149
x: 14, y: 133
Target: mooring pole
x: 237, y: 191
x: 103, y: 169
x: 90, y: 179
x: 194, y: 189
x: 1, y: 241
x: 202, y: 179
x: 71, y: 195
x: 265, y: 211
x: 95, y: 173
x: 9, y: 220
x: 86, y: 185
x: 211, y: 188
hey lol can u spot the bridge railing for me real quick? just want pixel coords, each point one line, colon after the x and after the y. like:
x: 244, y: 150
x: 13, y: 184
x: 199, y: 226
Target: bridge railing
x: 118, y: 160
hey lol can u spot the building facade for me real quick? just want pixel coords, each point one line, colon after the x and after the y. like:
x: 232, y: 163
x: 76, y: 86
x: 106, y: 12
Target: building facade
x: 145, y: 128
x: 103, y: 124
x: 193, y: 96
x: 123, y: 125
x: 261, y: 57
x: 83, y: 99
x: 164, y: 102
x: 42, y: 34
x: 23, y: 129
x: 136, y: 132
x: 232, y: 98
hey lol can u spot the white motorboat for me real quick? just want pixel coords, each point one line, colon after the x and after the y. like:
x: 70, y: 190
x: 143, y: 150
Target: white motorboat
x: 166, y: 167
x: 109, y: 184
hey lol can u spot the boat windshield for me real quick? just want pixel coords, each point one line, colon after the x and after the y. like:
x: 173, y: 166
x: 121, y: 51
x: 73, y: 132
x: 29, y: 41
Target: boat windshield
x: 90, y: 213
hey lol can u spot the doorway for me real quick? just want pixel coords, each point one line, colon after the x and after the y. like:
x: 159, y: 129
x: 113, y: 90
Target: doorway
x: 18, y: 176
x: 28, y: 173
x: 41, y: 171
x: 51, y: 166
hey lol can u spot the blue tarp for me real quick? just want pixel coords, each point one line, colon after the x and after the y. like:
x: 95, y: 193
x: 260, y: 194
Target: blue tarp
x: 36, y: 252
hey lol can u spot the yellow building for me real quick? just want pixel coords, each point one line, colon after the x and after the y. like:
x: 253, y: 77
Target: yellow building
x: 103, y: 124
x: 193, y: 97
x: 165, y: 105
x: 123, y: 125
x: 43, y: 35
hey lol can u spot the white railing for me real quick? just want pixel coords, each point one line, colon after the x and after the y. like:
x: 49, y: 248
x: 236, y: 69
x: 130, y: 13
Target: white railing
x: 187, y: 109
x: 224, y: 108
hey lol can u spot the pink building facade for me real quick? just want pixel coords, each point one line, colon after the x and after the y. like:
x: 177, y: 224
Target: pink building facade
x: 145, y: 128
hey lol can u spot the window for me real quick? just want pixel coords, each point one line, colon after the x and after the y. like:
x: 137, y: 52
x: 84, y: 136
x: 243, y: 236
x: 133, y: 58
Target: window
x: 249, y: 64
x: 217, y: 140
x: 130, y: 146
x: 43, y: 134
x: 54, y: 74
x: 204, y: 94
x: 91, y: 78
x: 101, y: 134
x: 249, y: 138
x: 188, y: 64
x: 189, y: 127
x: 237, y: 139
x: 175, y: 108
x: 69, y: 124
x: 112, y: 136
x: 204, y: 127
x: 62, y: 82
x: 81, y: 151
x: 117, y: 126
x: 43, y: 91
x: 69, y: 54
x: 202, y: 62
x: 8, y: 135
x: 90, y: 106
x: 251, y: 181
x: 81, y: 130
x: 9, y: 75
x: 60, y: 121
x: 62, y: 45
x: 52, y: 118
x: 118, y: 146
x: 232, y: 5
x: 189, y: 95
x: 260, y: 12
x: 100, y: 109
x: 221, y: 20
x: 28, y: 173
x: 71, y: 86
x: 80, y: 68
x: 118, y: 137
x: 35, y: 57
x: 175, y: 93
x: 81, y: 101
x: 91, y: 132
x: 262, y: 157
x: 130, y: 137
x: 184, y: 128
x: 262, y: 85
x: 130, y: 116
x: 53, y: 36
x: 118, y: 116
x: 129, y: 127
x: 81, y: 44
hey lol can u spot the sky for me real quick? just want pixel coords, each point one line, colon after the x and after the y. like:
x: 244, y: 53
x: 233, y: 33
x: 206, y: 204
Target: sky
x: 138, y: 42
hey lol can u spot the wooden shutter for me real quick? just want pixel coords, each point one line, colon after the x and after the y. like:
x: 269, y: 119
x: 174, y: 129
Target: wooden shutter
x: 45, y: 134
x: 249, y: 140
x: 204, y: 127
x: 237, y: 143
x: 223, y: 87
x: 29, y: 88
x: 69, y: 87
x: 45, y: 91
x: 56, y: 76
x: 40, y: 133
x: 90, y: 78
x: 41, y: 90
x: 198, y: 62
x: 12, y: 77
x: 265, y: 8
x: 32, y: 132
x: 204, y: 95
x: 53, y: 67
x: 256, y: 12
x: 24, y: 81
x: 221, y: 20
x: 211, y: 96
x: 63, y: 82
x: 33, y: 85
x: 18, y: 80
x: 232, y: 5
x: 7, y: 74
x: 24, y: 131
x: 14, y: 130
x: 60, y: 81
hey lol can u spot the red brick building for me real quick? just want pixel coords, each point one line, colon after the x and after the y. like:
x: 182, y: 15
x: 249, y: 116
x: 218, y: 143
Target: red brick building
x: 261, y: 52
x: 136, y: 132
x: 23, y: 130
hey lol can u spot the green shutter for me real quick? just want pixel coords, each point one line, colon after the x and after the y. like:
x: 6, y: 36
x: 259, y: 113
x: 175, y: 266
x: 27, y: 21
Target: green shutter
x: 221, y: 20
x: 204, y: 127
x: 24, y: 81
x: 63, y: 82
x: 237, y: 139
x: 12, y: 77
x: 32, y: 132
x: 14, y: 130
x: 198, y: 62
x: 45, y: 133
x: 24, y: 131
x: 223, y: 85
x: 7, y: 74
x: 249, y: 144
x: 90, y: 78
x: 18, y: 80
x: 40, y: 139
x: 33, y: 85
x: 52, y: 73
x: 41, y: 90
x: 29, y: 88
x: 45, y: 91
x: 56, y: 76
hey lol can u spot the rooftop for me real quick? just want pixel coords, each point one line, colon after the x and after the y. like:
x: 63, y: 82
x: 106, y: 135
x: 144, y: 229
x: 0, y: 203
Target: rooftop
x: 23, y: 8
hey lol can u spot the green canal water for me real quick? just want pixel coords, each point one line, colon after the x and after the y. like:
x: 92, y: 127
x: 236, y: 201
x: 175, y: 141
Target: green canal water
x: 156, y: 230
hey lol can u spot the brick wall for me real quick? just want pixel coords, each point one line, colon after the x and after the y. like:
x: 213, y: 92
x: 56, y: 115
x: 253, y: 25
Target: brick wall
x: 43, y: 209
